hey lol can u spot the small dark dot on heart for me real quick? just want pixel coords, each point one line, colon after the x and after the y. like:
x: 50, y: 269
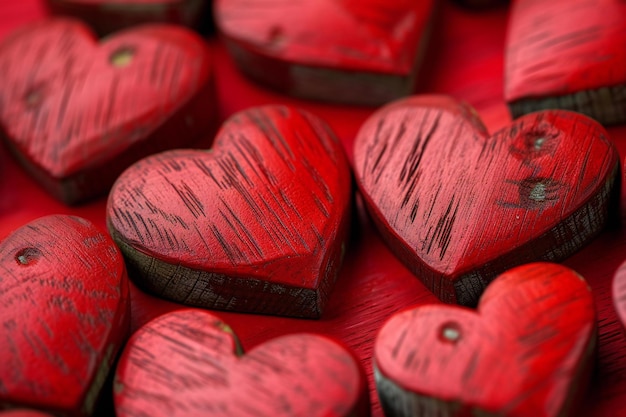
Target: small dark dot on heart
x: 276, y: 36
x: 450, y: 332
x: 33, y: 98
x: 28, y: 256
x: 122, y: 57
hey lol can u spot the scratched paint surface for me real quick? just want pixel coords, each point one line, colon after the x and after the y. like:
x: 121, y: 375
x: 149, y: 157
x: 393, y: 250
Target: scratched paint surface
x: 458, y: 205
x: 189, y: 363
x: 65, y: 314
x: 268, y: 204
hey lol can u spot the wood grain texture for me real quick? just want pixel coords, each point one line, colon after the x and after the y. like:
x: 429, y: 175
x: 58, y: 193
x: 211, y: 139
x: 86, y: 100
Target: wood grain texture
x: 256, y: 224
x: 77, y: 113
x: 458, y: 206
x: 527, y: 351
x: 189, y: 363
x: 65, y: 315
x: 106, y: 16
x: 567, y: 54
x: 367, y: 53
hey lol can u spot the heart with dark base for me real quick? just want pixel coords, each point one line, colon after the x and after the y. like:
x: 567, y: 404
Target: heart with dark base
x: 459, y: 206
x: 527, y: 351
x: 189, y: 363
x: 256, y: 224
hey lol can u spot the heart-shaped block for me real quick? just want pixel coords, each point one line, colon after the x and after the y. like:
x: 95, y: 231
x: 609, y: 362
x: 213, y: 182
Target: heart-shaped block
x: 350, y: 51
x: 107, y: 16
x: 567, y: 54
x: 619, y: 293
x: 257, y: 224
x: 527, y: 351
x: 189, y: 363
x: 458, y: 206
x: 65, y: 314
x: 77, y: 113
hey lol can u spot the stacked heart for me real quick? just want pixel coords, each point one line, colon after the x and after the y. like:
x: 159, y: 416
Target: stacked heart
x: 527, y: 351
x: 567, y: 54
x: 107, y: 16
x: 257, y: 224
x: 458, y: 207
x: 76, y: 113
x: 350, y: 51
x: 65, y: 314
x: 188, y: 363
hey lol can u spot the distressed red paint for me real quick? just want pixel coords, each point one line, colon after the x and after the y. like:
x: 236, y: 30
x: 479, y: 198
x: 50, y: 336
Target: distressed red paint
x: 527, y: 351
x: 77, y: 113
x: 368, y: 51
x: 65, y: 314
x: 189, y: 363
x: 459, y: 206
x: 257, y: 224
x: 567, y: 54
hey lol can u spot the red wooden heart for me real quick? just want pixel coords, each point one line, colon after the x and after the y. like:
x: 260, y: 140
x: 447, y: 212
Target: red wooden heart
x: 257, y: 224
x: 77, y: 113
x: 65, y: 315
x: 527, y: 351
x: 459, y: 207
x: 355, y: 51
x: 107, y: 16
x: 568, y: 54
x: 23, y: 413
x: 188, y: 363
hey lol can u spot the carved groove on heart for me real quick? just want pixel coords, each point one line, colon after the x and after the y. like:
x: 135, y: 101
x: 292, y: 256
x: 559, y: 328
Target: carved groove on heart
x: 459, y: 206
x: 540, y: 318
x: 189, y: 363
x: 258, y: 224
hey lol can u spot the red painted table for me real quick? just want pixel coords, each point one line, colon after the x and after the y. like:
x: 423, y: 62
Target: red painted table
x: 467, y: 63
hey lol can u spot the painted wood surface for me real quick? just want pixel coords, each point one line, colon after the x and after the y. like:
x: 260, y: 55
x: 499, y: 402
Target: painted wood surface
x: 256, y: 224
x: 459, y: 206
x: 106, y: 16
x: 77, y: 113
x: 189, y: 363
x: 64, y: 317
x: 368, y: 51
x: 372, y: 284
x: 527, y: 351
x: 567, y: 54
x: 619, y: 293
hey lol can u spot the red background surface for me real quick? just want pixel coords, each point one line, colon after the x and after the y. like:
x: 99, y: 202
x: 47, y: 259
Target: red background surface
x: 465, y: 62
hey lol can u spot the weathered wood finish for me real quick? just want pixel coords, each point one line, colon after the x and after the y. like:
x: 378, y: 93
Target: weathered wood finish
x: 368, y: 51
x: 189, y: 363
x: 77, y: 113
x: 458, y: 207
x: 65, y: 314
x: 527, y: 351
x: 257, y: 224
x: 106, y: 16
x: 567, y: 54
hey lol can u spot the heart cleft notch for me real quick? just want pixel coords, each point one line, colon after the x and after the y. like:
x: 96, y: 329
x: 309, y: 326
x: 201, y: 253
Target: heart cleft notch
x: 122, y: 57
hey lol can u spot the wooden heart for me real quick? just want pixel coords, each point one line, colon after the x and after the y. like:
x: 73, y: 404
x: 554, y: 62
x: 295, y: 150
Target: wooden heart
x: 256, y: 224
x: 23, y: 413
x: 188, y: 363
x: 65, y: 314
x: 527, y: 351
x: 459, y: 207
x: 567, y: 54
x: 77, y: 113
x: 352, y: 51
x: 107, y: 16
